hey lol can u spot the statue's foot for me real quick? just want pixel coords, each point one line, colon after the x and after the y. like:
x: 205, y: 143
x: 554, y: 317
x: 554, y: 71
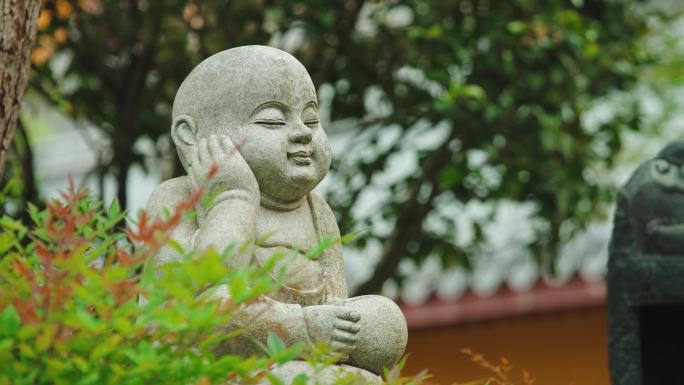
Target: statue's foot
x: 383, y: 335
x: 328, y: 375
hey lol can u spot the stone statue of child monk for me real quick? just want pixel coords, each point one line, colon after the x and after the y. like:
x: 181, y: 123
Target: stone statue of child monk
x: 263, y: 100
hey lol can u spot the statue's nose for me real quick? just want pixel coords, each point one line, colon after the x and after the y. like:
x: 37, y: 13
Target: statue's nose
x: 301, y: 134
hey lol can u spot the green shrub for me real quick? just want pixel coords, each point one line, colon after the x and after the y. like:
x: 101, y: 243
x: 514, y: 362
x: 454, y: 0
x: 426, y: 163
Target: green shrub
x: 70, y: 310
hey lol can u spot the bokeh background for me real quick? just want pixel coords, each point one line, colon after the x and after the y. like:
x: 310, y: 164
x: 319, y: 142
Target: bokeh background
x: 477, y: 145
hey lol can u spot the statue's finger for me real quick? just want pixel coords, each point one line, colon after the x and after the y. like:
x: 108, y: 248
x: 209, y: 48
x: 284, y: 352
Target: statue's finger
x: 215, y: 148
x: 349, y: 315
x: 203, y: 151
x: 348, y: 326
x: 342, y: 348
x: 195, y: 179
x: 193, y: 159
x: 341, y: 336
x: 227, y: 145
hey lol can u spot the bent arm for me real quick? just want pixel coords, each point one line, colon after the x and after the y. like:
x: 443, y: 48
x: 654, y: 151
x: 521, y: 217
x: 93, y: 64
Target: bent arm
x: 166, y: 197
x: 258, y: 319
x: 230, y: 222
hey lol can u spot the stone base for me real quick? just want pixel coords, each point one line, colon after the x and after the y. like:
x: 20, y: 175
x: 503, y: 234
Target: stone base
x: 329, y: 375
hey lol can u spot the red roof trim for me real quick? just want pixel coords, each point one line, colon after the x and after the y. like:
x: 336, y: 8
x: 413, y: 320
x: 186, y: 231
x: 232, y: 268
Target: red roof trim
x: 542, y: 298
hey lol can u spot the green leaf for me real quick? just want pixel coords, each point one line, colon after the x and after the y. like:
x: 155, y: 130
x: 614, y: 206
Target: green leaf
x: 516, y: 27
x: 473, y: 91
x: 114, y: 209
x: 6, y: 242
x: 87, y: 321
x: 300, y: 379
x: 176, y: 246
x: 348, y: 238
x: 324, y: 244
x: 5, y: 344
x: 275, y: 344
x: 238, y: 287
x: 274, y: 379
x: 450, y: 177
x: 9, y: 321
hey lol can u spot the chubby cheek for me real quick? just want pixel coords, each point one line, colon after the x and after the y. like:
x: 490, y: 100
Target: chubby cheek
x: 265, y: 155
x: 260, y: 143
x: 322, y: 150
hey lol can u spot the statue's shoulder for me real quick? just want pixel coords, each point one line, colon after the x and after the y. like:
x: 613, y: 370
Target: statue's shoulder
x: 324, y: 214
x: 168, y: 194
x: 320, y: 205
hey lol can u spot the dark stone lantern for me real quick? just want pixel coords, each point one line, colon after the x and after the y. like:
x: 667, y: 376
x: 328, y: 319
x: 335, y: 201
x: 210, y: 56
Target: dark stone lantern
x: 646, y: 274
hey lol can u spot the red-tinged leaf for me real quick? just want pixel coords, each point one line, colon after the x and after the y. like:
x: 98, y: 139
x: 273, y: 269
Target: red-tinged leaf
x: 62, y: 293
x: 212, y: 171
x: 142, y: 223
x: 174, y: 220
x: 26, y: 310
x: 57, y: 209
x: 194, y: 198
x: 125, y: 258
x: 69, y: 227
x: 23, y: 271
x: 131, y: 235
x: 44, y: 289
x: 42, y: 252
x: 84, y: 219
x: 71, y: 186
x: 60, y: 255
x: 124, y: 291
x: 52, y: 230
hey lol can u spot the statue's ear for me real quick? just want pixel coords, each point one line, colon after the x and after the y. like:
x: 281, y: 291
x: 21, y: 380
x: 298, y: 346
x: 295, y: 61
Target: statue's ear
x: 184, y: 131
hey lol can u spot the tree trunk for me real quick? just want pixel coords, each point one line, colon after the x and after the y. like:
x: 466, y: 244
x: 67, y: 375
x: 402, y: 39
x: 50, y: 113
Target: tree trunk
x: 17, y: 37
x: 122, y: 183
x: 410, y: 221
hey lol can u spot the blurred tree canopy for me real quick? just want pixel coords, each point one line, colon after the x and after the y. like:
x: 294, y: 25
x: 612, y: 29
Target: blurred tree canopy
x: 511, y: 80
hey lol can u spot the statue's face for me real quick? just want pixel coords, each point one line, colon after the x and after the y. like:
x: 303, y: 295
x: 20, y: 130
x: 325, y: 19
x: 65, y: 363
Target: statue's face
x: 264, y: 100
x: 280, y: 136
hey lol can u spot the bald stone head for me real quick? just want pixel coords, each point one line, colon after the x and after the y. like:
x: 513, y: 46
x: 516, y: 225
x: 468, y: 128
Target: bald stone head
x: 263, y: 99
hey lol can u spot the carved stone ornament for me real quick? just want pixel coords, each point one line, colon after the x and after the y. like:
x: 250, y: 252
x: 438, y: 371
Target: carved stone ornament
x: 253, y: 110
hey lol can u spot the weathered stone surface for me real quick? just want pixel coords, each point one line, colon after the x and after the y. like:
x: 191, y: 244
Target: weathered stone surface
x: 645, y: 270
x: 328, y: 375
x: 253, y: 111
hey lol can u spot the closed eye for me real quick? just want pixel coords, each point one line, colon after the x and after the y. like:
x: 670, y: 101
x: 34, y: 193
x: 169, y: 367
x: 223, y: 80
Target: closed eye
x: 270, y: 123
x: 311, y: 122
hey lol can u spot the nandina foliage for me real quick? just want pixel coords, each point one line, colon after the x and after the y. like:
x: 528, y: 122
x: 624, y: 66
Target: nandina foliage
x: 70, y: 311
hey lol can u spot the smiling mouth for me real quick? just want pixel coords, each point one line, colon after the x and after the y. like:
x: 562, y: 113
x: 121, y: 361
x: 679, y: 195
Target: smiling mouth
x: 301, y: 158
